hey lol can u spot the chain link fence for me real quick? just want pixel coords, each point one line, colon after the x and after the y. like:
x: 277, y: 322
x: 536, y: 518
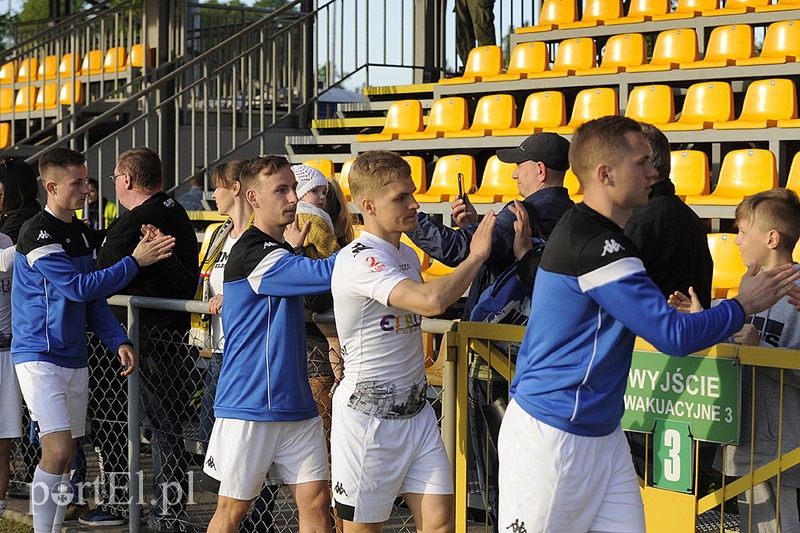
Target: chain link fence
x: 157, y: 464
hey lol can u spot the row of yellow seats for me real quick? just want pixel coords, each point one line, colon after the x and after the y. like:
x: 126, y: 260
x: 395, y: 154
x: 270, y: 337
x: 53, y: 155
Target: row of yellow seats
x: 674, y: 49
x: 94, y: 62
x: 33, y: 98
x: 562, y: 14
x: 5, y: 135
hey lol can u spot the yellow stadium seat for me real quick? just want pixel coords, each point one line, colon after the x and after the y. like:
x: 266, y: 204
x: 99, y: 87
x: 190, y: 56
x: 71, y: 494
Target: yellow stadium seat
x: 6, y: 99
x: 765, y: 103
x: 653, y: 104
x: 444, y: 182
x: 436, y: 269
x: 404, y: 116
x: 447, y: 114
x: 140, y: 55
x: 8, y: 72
x: 573, y: 186
x: 46, y: 99
x: 736, y: 7
x: 781, y: 45
x: 595, y: 12
x: 116, y: 59
x: 686, y: 9
x: 418, y: 172
x: 424, y: 258
x: 589, y: 105
x: 725, y: 46
x: 28, y: 69
x: 553, y: 14
x: 779, y: 5
x: 526, y: 58
x: 70, y: 65
x: 728, y: 265
x: 493, y: 112
x: 620, y: 52
x: 689, y: 172
x: 323, y: 165
x: 793, y: 180
x: 672, y: 48
x: 572, y: 54
x: 705, y: 103
x: 26, y: 99
x: 48, y: 69
x: 343, y: 179
x: 5, y: 135
x: 482, y: 61
x: 545, y: 109
x: 50, y: 96
x: 743, y: 173
x: 641, y: 11
x: 497, y: 183
x: 92, y: 63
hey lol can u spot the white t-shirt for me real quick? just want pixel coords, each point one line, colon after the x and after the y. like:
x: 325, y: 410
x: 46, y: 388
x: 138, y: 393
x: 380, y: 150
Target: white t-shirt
x: 215, y: 287
x: 380, y: 344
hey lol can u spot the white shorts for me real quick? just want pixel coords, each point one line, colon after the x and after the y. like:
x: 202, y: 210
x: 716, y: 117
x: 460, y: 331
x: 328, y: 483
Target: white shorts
x: 10, y: 400
x: 56, y: 396
x: 551, y: 480
x: 241, y: 452
x: 374, y: 460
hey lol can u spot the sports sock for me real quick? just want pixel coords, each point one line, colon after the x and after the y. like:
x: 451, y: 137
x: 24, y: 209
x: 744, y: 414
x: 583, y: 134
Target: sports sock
x: 43, y: 506
x: 63, y: 499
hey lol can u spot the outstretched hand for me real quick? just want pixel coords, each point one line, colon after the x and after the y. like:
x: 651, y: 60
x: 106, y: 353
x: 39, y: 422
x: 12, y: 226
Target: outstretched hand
x: 522, y: 229
x: 760, y: 290
x: 153, y: 247
x: 294, y: 234
x: 481, y: 245
x: 128, y: 359
x: 685, y: 304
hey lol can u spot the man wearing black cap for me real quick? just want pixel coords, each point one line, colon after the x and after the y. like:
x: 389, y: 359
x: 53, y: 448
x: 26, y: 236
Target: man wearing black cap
x: 542, y: 159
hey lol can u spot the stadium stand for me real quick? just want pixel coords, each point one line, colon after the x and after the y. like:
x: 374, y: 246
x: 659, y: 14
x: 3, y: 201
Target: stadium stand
x: 446, y: 115
x: 527, y: 59
x: 653, y: 104
x: 493, y: 112
x: 743, y: 172
x: 496, y: 183
x: 545, y: 109
x: 482, y: 61
x: 689, y: 172
x: 403, y: 117
x: 554, y: 14
x: 444, y: 181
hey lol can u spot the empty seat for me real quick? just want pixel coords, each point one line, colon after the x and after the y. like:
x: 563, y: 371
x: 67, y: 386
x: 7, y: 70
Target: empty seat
x: 653, y: 104
x: 92, y: 63
x: 781, y: 45
x: 6, y: 99
x: 545, y: 109
x: 482, y: 61
x: 444, y: 182
x: 589, y: 105
x: 28, y: 69
x: 418, y: 172
x: 573, y: 186
x: 493, y: 112
x: 344, y: 183
x: 5, y: 135
x: 736, y: 7
x: 793, y: 180
x: 641, y: 11
x: 70, y: 65
x: 765, y: 103
x: 743, y: 173
x: 526, y: 58
x: 46, y: 99
x: 705, y: 103
x: 404, y: 116
x: 571, y: 55
x: 779, y: 5
x: 26, y: 99
x: 497, y: 185
x: 728, y: 265
x: 553, y: 14
x: 685, y: 9
x: 323, y: 165
x: 595, y: 12
x: 620, y: 52
x: 116, y: 59
x: 725, y: 46
x: 50, y: 96
x: 48, y: 68
x: 8, y: 72
x: 689, y: 172
x: 447, y: 114
x: 139, y: 56
x: 672, y: 48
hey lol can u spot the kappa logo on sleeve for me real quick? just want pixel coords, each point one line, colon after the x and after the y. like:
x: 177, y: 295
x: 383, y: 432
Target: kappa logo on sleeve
x: 358, y: 248
x: 269, y: 244
x: 43, y: 235
x: 611, y: 247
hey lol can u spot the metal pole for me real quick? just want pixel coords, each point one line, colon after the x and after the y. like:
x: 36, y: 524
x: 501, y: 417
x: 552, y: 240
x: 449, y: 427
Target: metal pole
x: 134, y: 438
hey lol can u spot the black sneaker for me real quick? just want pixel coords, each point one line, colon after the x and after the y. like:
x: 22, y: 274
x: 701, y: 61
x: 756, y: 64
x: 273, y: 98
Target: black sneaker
x: 74, y: 511
x: 102, y: 516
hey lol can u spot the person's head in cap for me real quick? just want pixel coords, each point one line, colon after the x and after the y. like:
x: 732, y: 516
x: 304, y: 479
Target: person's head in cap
x: 542, y: 160
x: 312, y: 186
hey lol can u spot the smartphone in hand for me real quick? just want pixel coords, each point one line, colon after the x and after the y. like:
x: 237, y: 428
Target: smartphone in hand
x: 461, y: 187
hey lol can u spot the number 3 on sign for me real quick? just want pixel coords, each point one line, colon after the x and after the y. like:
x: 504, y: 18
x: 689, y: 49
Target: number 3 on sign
x: 673, y: 456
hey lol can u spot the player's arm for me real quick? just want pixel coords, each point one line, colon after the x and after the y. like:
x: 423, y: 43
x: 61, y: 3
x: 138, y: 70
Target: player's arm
x: 280, y: 273
x: 102, y: 322
x: 431, y: 299
x: 442, y: 243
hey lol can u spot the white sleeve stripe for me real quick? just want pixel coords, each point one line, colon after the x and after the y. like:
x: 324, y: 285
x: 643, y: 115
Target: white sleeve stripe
x: 610, y: 273
x: 254, y: 279
x: 42, y: 251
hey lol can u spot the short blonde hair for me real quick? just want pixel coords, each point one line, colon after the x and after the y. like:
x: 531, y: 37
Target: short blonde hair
x: 599, y: 141
x: 775, y: 209
x: 372, y: 171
